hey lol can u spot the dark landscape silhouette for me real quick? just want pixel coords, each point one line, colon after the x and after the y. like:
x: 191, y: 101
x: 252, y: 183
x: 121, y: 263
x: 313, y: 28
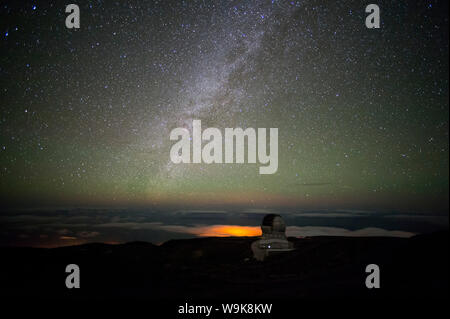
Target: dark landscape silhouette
x: 219, y: 268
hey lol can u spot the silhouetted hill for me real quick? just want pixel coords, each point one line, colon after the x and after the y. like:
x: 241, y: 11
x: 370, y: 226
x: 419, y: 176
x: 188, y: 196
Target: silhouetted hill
x: 213, y: 268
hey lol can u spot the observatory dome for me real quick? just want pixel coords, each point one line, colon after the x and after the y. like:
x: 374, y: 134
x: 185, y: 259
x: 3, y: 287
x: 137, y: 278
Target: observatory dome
x: 273, y: 223
x: 273, y: 238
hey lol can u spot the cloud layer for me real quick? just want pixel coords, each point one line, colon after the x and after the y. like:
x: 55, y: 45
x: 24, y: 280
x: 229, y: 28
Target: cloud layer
x: 49, y: 228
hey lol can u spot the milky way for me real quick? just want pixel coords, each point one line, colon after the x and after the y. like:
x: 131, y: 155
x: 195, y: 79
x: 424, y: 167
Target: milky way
x: 362, y: 113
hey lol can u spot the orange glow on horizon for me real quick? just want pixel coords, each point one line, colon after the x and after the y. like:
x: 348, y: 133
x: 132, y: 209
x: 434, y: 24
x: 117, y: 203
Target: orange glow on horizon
x: 228, y: 230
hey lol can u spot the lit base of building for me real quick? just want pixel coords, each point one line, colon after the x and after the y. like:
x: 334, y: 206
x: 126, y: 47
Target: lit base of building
x: 264, y: 247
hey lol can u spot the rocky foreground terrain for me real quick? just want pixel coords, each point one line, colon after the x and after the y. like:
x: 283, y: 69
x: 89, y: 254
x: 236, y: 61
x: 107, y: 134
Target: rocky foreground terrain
x: 223, y: 268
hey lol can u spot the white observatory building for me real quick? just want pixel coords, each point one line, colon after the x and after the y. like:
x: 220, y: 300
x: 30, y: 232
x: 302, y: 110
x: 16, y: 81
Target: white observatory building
x: 273, y: 238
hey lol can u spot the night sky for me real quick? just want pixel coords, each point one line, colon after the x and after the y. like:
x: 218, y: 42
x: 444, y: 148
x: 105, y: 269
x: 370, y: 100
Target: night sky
x: 362, y: 113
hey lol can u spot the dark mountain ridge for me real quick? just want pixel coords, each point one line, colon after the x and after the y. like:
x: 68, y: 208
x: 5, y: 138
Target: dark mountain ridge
x: 215, y: 268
